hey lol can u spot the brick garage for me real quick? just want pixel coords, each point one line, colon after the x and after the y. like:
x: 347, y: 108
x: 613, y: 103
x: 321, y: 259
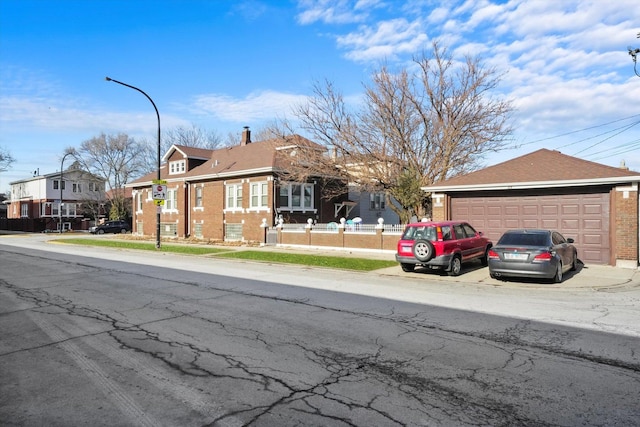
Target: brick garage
x: 595, y: 204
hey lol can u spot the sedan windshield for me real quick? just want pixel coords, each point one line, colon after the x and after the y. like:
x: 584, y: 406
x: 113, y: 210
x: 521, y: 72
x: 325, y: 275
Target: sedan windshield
x: 524, y: 239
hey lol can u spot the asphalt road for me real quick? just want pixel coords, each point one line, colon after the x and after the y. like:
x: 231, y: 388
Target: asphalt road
x: 110, y: 340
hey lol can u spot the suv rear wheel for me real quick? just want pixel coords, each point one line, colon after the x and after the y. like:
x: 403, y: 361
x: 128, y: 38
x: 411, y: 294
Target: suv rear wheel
x: 423, y: 250
x: 456, y: 266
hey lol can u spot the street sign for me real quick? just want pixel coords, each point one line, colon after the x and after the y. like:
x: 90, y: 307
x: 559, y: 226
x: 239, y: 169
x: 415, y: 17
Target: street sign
x: 158, y: 202
x: 159, y: 191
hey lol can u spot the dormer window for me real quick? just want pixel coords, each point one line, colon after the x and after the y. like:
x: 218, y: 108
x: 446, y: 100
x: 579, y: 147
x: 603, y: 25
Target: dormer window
x: 177, y: 166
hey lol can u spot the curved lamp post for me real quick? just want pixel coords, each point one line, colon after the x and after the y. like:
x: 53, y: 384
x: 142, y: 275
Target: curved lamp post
x: 60, y: 207
x: 109, y: 79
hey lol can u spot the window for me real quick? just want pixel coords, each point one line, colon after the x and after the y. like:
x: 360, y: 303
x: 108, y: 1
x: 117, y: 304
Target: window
x: 296, y: 197
x: 177, y: 166
x: 94, y: 186
x: 56, y: 184
x: 171, y: 202
x: 376, y: 201
x: 77, y: 188
x: 24, y: 210
x: 139, y: 202
x: 234, y: 196
x: 469, y: 230
x: 259, y: 195
x: 197, y: 230
x: 198, y: 197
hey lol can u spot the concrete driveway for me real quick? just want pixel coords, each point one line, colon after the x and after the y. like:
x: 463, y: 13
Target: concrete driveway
x: 590, y: 277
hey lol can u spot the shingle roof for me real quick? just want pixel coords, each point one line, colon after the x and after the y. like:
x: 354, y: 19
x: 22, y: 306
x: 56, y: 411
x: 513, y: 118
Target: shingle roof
x: 539, y: 166
x: 232, y: 161
x: 189, y: 152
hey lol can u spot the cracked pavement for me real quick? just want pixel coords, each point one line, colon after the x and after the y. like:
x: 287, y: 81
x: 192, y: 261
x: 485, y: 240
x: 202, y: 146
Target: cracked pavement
x: 85, y: 340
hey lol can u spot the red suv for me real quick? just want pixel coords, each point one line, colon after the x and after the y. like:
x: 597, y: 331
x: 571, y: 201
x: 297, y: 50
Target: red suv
x: 441, y: 245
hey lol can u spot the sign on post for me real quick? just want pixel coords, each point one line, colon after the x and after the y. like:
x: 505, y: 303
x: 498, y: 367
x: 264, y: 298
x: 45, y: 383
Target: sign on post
x: 159, y: 190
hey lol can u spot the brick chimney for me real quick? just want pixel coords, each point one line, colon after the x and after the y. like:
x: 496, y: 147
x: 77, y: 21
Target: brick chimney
x: 246, y: 136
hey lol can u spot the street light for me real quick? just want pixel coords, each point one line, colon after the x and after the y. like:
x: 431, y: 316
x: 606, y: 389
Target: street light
x: 60, y: 207
x: 109, y: 79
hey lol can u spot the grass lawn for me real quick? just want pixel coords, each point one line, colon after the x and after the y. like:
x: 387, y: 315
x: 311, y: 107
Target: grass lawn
x: 346, y: 263
x: 145, y: 246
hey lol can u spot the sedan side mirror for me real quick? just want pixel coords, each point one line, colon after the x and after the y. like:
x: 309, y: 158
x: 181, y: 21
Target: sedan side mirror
x: 570, y: 240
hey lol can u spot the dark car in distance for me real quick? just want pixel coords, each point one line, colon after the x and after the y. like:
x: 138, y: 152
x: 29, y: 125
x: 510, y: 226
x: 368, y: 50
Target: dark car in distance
x: 441, y: 245
x: 117, y: 226
x: 532, y: 253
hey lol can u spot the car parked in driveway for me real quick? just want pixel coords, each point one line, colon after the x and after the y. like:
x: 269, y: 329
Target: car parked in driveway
x: 117, y: 226
x: 441, y: 245
x: 533, y: 253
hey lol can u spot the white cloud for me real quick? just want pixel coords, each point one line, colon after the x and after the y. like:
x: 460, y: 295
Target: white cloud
x: 332, y: 11
x: 386, y: 41
x: 261, y: 105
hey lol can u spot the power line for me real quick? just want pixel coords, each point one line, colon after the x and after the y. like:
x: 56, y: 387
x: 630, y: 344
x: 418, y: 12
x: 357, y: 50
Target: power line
x: 606, y: 139
x: 634, y: 146
x: 591, y: 137
x: 579, y: 130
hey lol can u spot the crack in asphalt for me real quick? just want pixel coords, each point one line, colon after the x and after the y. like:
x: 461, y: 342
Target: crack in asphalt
x: 339, y: 367
x: 187, y: 359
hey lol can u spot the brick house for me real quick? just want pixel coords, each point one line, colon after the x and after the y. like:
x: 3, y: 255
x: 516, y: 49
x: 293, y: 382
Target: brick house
x: 595, y: 204
x: 226, y: 194
x: 38, y: 198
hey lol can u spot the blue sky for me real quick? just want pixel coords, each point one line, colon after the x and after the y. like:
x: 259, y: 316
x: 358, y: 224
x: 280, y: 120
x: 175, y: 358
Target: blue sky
x: 222, y: 65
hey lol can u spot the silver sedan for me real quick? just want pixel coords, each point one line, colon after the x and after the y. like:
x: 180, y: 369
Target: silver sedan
x: 532, y: 253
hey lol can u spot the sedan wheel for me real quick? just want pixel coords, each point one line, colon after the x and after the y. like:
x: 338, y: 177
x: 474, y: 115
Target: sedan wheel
x: 558, y: 276
x: 101, y: 231
x: 123, y: 231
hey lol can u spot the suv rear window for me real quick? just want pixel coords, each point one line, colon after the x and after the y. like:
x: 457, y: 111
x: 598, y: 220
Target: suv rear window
x: 427, y: 232
x: 421, y: 232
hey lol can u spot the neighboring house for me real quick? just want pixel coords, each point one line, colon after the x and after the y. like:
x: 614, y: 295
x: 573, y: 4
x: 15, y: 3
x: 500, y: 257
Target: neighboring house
x: 595, y: 204
x: 39, y: 197
x: 126, y: 194
x: 230, y: 193
x: 369, y: 207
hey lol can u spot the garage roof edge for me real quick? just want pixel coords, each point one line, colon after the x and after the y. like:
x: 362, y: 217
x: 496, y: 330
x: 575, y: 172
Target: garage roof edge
x: 533, y: 184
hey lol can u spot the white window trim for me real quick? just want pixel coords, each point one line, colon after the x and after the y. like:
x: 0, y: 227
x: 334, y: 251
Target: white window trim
x: 177, y: 167
x: 195, y: 199
x: 235, y: 198
x: 173, y: 209
x: 259, y: 208
x: 289, y: 207
x: 382, y: 201
x: 139, y: 202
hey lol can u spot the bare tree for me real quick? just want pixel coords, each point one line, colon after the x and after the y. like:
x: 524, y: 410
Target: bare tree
x: 117, y: 158
x: 5, y: 159
x: 414, y: 128
x: 192, y: 136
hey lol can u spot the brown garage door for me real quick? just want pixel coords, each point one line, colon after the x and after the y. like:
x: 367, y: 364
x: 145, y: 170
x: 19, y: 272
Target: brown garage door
x: 583, y: 217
